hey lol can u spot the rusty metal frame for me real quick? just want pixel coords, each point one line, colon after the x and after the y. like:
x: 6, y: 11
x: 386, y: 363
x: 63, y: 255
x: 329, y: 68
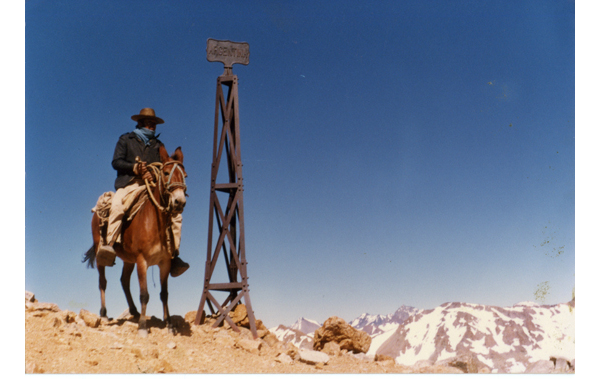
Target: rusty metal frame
x: 229, y: 221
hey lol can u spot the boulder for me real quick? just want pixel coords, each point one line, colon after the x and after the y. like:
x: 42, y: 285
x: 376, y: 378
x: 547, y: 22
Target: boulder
x: 239, y: 315
x: 90, y: 319
x: 336, y: 330
x: 312, y: 357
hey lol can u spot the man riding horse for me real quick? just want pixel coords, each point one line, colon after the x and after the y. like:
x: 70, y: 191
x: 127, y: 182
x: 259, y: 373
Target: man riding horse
x: 134, y: 151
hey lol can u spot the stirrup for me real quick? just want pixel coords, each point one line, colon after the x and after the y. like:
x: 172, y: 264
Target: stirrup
x: 106, y: 256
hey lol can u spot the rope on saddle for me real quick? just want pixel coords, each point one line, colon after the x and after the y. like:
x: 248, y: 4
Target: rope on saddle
x: 102, y: 209
x: 155, y: 169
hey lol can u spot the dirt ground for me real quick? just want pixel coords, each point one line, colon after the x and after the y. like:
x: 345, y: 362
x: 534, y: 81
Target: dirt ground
x: 59, y: 342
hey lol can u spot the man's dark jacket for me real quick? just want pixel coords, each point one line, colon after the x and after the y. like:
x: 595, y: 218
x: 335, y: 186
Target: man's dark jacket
x: 128, y: 147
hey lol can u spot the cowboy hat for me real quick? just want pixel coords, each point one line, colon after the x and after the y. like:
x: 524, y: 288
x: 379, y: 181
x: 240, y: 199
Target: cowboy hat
x: 147, y: 113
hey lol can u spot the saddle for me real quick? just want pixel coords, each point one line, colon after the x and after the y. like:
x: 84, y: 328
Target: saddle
x: 132, y: 203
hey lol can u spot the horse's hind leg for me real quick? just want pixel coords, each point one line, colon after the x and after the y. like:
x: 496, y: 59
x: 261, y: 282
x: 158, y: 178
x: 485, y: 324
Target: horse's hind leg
x: 125, y: 283
x: 164, y: 294
x: 142, y: 268
x: 102, y: 291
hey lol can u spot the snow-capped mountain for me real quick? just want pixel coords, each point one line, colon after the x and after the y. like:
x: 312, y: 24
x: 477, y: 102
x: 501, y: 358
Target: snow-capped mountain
x: 306, y: 326
x: 295, y: 337
x: 375, y: 325
x: 506, y: 340
x: 300, y: 334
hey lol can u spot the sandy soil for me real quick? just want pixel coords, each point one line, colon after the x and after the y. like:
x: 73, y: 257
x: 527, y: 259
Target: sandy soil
x: 60, y: 342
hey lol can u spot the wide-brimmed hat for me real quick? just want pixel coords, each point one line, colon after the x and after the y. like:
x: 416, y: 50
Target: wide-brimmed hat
x: 147, y: 113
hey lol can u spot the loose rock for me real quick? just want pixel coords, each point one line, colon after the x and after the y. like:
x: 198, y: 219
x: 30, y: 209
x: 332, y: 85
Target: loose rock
x: 332, y: 348
x: 251, y: 346
x: 90, y: 319
x: 313, y: 357
x: 284, y: 358
x: 337, y: 330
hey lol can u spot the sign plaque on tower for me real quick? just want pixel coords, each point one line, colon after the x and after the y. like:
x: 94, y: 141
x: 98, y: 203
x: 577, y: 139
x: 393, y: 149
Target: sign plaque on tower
x: 227, y: 52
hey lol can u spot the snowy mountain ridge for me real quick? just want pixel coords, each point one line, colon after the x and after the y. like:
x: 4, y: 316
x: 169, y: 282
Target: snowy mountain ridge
x: 503, y: 339
x: 506, y: 340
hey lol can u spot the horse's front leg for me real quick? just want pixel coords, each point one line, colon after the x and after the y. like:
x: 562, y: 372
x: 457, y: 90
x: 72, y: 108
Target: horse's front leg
x: 102, y: 285
x: 125, y: 283
x: 165, y: 268
x: 142, y: 268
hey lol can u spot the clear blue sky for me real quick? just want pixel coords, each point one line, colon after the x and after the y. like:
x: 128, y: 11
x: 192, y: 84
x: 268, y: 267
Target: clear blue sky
x: 412, y: 152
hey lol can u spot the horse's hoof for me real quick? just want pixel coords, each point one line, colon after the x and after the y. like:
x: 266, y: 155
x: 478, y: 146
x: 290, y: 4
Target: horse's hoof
x: 143, y: 333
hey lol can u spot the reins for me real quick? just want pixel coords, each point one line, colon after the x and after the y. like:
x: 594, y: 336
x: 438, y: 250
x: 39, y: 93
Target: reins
x: 156, y: 171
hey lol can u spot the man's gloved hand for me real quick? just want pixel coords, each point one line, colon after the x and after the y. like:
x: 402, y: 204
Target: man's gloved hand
x: 140, y: 169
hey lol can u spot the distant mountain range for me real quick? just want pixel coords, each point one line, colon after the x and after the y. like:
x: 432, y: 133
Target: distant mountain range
x: 506, y: 340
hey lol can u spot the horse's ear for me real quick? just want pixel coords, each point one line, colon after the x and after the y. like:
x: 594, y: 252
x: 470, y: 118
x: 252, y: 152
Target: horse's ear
x: 178, y: 155
x: 164, y: 156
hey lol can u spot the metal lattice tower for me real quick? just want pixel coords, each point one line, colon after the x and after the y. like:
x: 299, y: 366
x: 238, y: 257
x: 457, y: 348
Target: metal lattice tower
x: 229, y: 220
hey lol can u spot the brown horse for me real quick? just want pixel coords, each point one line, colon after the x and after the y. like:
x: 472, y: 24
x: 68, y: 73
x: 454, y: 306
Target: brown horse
x: 144, y: 239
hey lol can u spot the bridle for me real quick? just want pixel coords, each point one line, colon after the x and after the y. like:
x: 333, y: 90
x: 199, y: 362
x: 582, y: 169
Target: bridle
x: 165, y: 186
x: 177, y: 166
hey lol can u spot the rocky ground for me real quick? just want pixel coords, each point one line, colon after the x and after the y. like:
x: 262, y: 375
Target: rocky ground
x: 62, y: 341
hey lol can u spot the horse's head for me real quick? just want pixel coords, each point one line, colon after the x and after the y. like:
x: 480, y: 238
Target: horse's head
x: 174, y: 178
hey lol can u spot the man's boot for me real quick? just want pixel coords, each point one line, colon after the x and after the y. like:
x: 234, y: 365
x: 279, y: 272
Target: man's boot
x: 106, y: 256
x: 178, y: 266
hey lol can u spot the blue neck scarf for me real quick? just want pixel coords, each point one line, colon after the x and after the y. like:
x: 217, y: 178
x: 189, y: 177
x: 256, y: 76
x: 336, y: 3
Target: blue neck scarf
x: 144, y: 134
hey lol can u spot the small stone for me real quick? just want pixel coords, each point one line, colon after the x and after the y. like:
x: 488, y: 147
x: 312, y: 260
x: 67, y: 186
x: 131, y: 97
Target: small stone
x: 320, y: 366
x: 163, y: 367
x: 90, y: 319
x: 190, y: 317
x: 171, y: 345
x: 284, y: 358
x: 117, y: 346
x: 251, y: 346
x: 292, y: 351
x: 125, y: 315
x: 136, y: 352
x: 313, y: 357
x: 331, y: 348
x: 270, y: 339
x: 29, y: 297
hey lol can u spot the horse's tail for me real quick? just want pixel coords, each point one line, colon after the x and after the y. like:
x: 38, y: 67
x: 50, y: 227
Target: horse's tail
x: 90, y: 257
